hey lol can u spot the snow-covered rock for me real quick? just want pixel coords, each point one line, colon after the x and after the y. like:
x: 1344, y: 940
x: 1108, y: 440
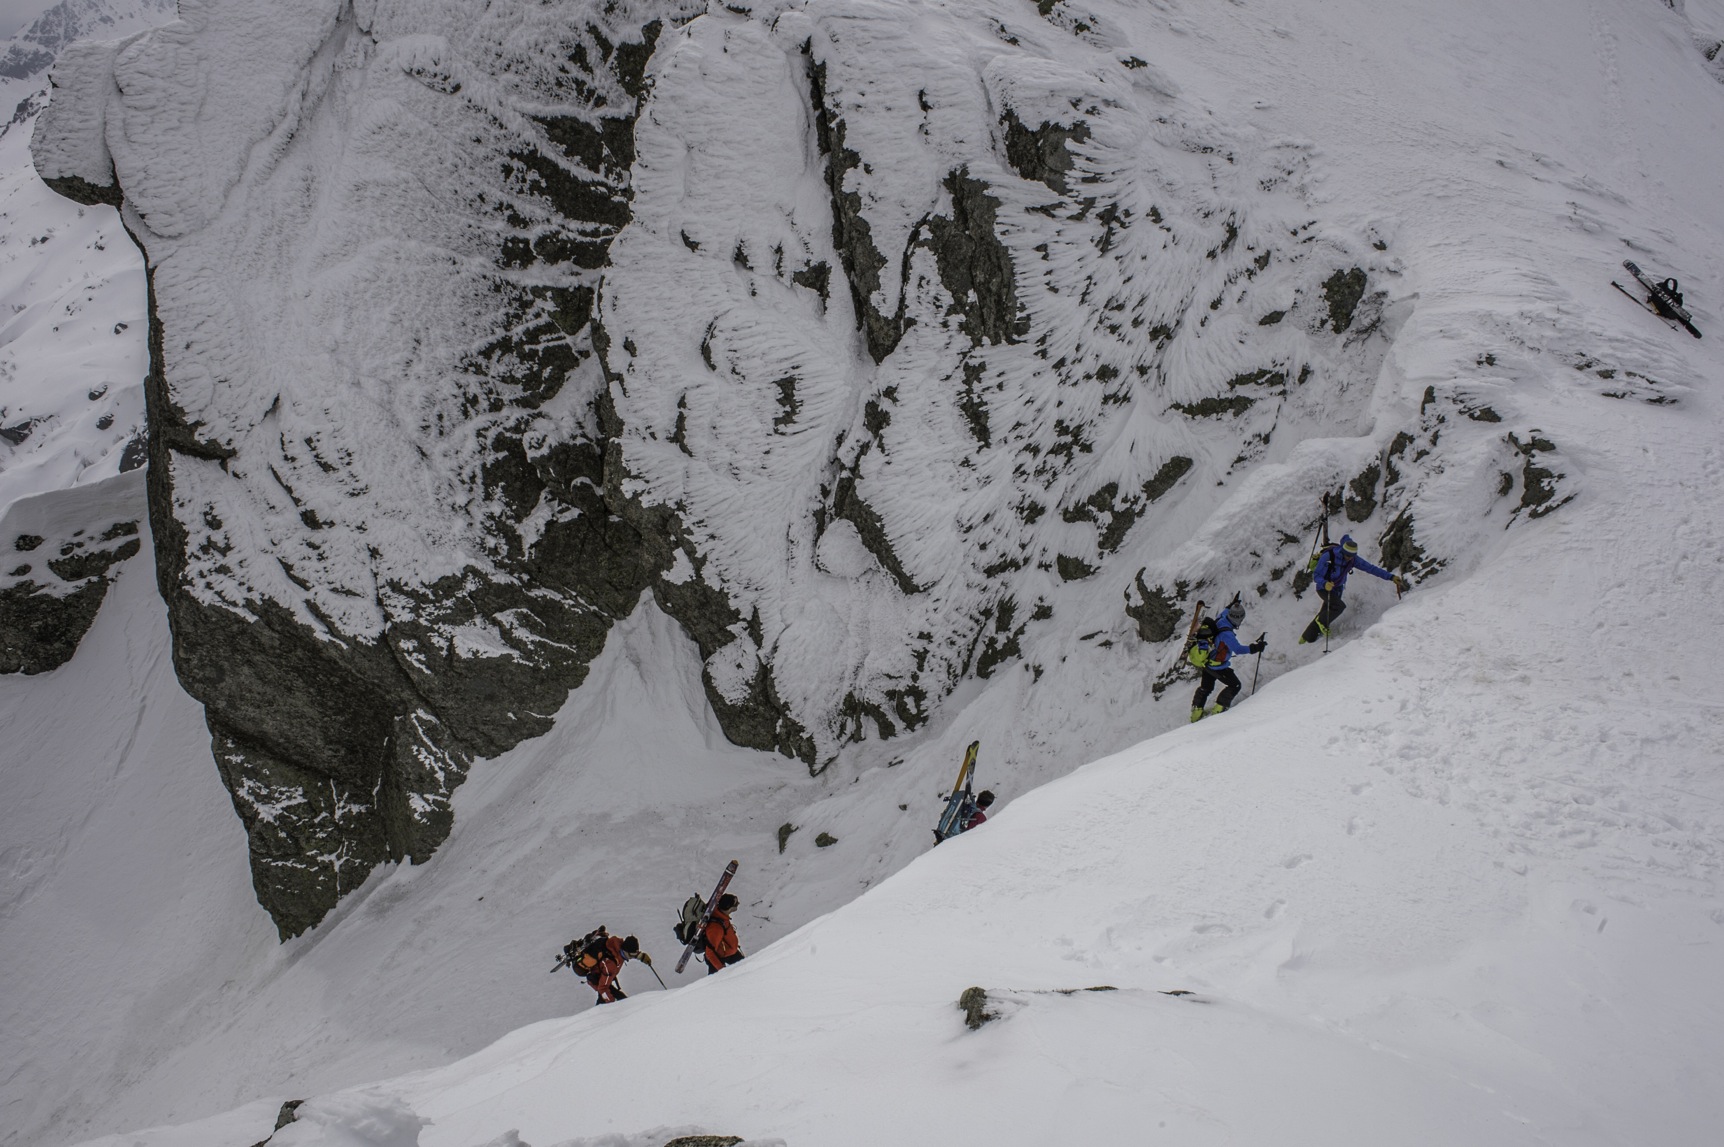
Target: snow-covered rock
x: 456, y: 359
x: 72, y: 364
x: 373, y: 234
x: 1454, y: 882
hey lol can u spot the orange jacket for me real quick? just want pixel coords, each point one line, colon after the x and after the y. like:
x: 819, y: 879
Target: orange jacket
x: 721, y: 941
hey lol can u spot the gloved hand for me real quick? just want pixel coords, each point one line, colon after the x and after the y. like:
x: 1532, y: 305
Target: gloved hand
x: 644, y: 958
x: 1328, y: 585
x: 1259, y: 645
x: 1400, y: 584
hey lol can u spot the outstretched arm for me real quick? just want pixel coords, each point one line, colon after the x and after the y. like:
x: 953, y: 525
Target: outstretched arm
x: 1376, y: 571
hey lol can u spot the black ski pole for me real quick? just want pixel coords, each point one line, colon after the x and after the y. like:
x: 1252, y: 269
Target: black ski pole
x: 647, y: 960
x: 1257, y: 671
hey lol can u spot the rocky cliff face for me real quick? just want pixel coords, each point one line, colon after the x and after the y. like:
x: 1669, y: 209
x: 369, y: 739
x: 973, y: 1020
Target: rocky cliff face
x: 864, y: 337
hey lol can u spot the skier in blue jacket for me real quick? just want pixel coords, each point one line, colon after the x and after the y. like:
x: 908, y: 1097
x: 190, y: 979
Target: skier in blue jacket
x: 1330, y: 578
x: 1214, y: 648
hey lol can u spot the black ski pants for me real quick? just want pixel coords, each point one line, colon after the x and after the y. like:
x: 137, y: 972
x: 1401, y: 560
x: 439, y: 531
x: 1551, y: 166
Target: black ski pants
x: 1230, y: 687
x: 726, y: 961
x: 1332, y: 608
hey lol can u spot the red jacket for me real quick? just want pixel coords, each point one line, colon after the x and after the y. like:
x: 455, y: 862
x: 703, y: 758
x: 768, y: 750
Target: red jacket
x: 611, y: 960
x: 721, y: 942
x: 976, y: 818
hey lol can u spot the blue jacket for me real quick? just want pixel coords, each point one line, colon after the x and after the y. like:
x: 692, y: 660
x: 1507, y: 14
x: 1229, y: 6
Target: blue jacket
x: 1226, y: 643
x: 1334, y: 564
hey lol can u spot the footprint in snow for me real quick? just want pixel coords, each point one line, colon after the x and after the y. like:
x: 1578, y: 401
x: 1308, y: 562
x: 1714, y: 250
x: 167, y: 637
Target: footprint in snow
x: 1296, y: 861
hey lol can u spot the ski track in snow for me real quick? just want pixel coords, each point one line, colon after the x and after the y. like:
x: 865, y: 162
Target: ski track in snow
x: 1457, y: 881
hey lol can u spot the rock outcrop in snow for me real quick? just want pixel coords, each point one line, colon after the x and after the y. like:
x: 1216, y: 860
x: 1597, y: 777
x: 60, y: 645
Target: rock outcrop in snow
x: 857, y: 334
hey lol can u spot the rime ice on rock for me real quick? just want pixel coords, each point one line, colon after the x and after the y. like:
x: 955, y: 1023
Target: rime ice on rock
x: 878, y: 328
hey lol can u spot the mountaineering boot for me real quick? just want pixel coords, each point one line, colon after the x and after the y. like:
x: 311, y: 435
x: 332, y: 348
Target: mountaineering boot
x: 1196, y: 714
x: 1214, y: 709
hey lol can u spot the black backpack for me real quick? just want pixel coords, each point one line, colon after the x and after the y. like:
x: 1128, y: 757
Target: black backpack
x: 584, y: 954
x: 688, y: 929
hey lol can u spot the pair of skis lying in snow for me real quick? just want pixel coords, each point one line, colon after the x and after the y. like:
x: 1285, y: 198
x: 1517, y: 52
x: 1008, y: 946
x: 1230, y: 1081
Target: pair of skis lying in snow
x: 1663, y: 299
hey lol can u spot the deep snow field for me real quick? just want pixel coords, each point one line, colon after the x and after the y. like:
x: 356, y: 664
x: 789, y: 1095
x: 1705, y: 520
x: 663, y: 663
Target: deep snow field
x: 1456, y: 881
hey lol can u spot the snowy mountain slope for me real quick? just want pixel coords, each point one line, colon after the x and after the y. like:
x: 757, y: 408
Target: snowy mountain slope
x: 1486, y: 690
x: 915, y: 319
x: 1463, y: 900
x: 72, y: 363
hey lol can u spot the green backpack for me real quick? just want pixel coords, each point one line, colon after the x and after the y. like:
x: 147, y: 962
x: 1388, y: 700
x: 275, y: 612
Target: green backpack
x: 1203, y: 647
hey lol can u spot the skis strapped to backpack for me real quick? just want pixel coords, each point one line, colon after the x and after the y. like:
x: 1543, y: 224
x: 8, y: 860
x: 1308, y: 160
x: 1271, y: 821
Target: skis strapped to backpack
x: 952, y: 820
x: 1206, y: 636
x: 583, y: 955
x: 706, y: 915
x: 1193, y: 631
x: 1319, y: 539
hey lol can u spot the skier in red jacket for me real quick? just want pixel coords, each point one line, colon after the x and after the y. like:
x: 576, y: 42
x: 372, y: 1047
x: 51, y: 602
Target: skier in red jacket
x: 722, y: 946
x: 600, y: 958
x: 984, y: 801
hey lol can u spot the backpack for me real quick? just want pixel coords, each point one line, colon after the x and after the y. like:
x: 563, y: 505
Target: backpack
x: 688, y: 930
x: 1203, y: 645
x: 584, y: 954
x: 1337, y: 561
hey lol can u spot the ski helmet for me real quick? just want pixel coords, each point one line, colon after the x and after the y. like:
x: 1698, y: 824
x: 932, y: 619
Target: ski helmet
x: 1348, y: 545
x: 1236, y: 614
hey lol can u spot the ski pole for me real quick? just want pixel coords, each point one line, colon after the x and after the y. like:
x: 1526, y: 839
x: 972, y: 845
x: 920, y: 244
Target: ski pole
x: 1257, y: 671
x: 647, y: 960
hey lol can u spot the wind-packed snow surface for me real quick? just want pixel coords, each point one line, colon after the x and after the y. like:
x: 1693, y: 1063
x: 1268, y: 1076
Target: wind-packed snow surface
x: 1456, y: 882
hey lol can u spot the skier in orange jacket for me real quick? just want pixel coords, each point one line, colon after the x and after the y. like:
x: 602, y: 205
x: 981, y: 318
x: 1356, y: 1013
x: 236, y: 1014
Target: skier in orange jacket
x: 722, y: 946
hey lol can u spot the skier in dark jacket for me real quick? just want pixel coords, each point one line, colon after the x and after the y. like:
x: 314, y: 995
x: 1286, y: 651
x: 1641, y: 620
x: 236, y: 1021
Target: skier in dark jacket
x: 1330, y: 578
x: 722, y: 946
x: 1220, y: 650
x: 979, y: 813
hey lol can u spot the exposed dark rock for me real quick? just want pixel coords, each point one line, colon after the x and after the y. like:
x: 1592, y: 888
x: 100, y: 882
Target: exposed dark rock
x: 851, y: 234
x: 1043, y: 153
x: 289, y: 1113
x: 1156, y: 614
x: 975, y: 267
x: 974, y: 1004
x: 42, y: 622
x: 784, y: 831
x: 817, y: 277
x: 825, y: 840
x: 1235, y: 405
x: 1361, y: 502
x: 1072, y: 569
x: 1401, y: 552
x: 1166, y: 477
x: 1343, y: 290
x: 973, y: 406
x: 80, y: 190
x: 705, y: 1141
